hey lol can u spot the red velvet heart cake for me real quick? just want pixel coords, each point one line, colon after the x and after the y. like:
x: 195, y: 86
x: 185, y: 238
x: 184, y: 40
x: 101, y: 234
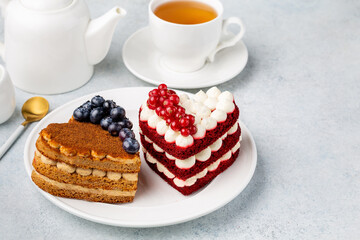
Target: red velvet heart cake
x: 188, y: 142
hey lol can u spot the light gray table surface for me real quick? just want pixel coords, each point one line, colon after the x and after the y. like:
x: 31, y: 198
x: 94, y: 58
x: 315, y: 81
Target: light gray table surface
x: 300, y: 97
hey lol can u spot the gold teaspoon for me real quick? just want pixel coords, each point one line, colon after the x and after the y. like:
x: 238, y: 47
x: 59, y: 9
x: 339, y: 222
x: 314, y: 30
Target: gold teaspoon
x: 34, y: 109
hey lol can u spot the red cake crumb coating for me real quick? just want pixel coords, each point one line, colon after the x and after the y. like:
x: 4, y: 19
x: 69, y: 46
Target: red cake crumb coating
x: 199, y: 144
x: 228, y: 143
x: 200, y: 182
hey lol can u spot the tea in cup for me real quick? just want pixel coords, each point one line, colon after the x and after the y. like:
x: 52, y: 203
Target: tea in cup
x: 189, y: 33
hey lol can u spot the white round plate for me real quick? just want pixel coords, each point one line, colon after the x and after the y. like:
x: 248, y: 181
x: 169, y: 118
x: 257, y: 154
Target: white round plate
x: 143, y: 60
x: 156, y: 203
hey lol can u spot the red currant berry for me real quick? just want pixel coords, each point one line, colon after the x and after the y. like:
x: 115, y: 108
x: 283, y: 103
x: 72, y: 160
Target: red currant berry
x: 171, y: 92
x: 170, y: 110
x: 185, y: 132
x: 169, y: 121
x: 167, y: 103
x: 179, y: 115
x: 175, y: 99
x: 191, y: 119
x: 153, y: 100
x: 161, y: 100
x: 192, y: 129
x: 181, y: 110
x: 154, y: 92
x: 152, y: 107
x: 163, y: 92
x: 162, y: 86
x: 175, y: 125
x: 162, y: 113
x: 184, y: 122
x: 158, y: 109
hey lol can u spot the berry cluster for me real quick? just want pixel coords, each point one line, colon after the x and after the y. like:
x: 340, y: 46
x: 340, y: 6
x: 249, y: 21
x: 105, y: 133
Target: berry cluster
x: 111, y: 117
x: 165, y: 102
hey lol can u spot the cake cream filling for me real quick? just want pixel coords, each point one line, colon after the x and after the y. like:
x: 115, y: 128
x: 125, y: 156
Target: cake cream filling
x: 192, y: 180
x: 70, y: 152
x: 87, y: 172
x: 209, y: 109
x: 202, y: 156
x: 76, y: 188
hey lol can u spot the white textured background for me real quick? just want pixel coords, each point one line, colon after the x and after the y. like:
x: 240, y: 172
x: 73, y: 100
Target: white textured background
x: 300, y: 97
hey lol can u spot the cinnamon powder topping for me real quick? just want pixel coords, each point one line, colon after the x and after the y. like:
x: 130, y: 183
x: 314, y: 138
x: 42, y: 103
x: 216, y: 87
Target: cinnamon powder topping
x: 86, y: 137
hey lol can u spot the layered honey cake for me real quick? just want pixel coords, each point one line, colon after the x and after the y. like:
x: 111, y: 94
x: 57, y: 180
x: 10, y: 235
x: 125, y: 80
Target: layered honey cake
x: 189, y: 141
x: 82, y: 160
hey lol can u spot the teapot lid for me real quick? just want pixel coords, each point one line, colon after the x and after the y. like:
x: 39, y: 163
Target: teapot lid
x: 46, y: 5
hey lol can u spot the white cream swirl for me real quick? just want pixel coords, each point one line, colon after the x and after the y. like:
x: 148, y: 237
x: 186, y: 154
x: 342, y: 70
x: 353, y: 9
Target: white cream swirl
x: 184, y: 98
x: 200, y: 133
x: 185, y: 163
x: 171, y: 157
x: 226, y: 156
x: 226, y: 95
x: 213, y: 92
x: 183, y: 141
x: 204, y: 155
x: 219, y: 116
x: 225, y: 106
x: 209, y: 123
x: 153, y: 121
x: 157, y: 148
x: 216, y: 145
x: 146, y: 113
x: 162, y: 127
x: 233, y: 129
x: 211, y: 103
x: 213, y: 166
x: 200, y: 96
x: 236, y: 147
x: 171, y: 135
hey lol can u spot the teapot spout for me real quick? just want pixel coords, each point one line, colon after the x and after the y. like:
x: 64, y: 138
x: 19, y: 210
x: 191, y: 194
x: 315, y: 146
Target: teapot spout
x: 99, y: 34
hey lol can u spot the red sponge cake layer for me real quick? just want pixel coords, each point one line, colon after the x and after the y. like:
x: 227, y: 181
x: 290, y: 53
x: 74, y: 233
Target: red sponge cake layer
x: 187, y: 190
x: 182, y: 173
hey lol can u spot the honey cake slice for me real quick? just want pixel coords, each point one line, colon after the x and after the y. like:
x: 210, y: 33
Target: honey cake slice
x: 81, y: 160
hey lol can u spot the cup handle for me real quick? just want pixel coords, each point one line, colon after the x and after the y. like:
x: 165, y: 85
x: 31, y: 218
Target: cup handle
x: 227, y: 39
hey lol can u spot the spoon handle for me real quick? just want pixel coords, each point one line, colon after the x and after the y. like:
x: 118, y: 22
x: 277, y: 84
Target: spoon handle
x: 11, y: 140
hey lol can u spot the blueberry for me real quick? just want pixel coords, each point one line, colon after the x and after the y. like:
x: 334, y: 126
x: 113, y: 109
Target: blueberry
x: 108, y: 105
x: 122, y: 123
x: 87, y: 105
x: 96, y: 115
x: 114, y: 129
x: 126, y: 133
x: 131, y: 145
x: 105, y: 122
x: 97, y: 101
x: 117, y: 113
x: 128, y: 124
x: 81, y: 114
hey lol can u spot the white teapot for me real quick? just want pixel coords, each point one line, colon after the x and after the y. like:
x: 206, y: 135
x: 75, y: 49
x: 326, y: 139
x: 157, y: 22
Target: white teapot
x: 51, y: 46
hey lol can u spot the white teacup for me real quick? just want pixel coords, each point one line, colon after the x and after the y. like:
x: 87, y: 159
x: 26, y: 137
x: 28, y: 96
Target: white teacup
x: 186, y: 47
x: 7, y: 96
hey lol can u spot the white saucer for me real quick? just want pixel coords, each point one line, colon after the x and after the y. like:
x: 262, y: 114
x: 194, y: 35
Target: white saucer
x: 143, y: 60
